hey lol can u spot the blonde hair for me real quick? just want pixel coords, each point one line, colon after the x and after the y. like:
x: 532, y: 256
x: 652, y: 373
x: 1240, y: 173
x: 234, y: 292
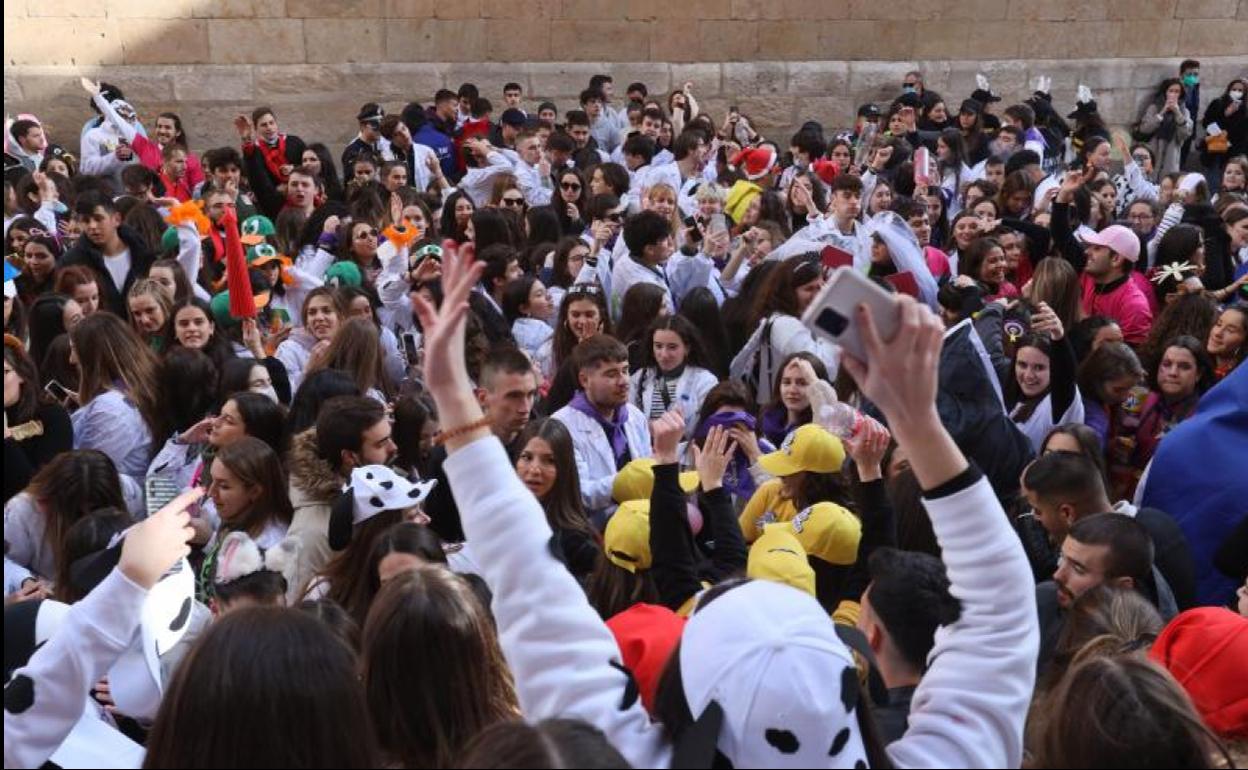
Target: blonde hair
x: 711, y: 192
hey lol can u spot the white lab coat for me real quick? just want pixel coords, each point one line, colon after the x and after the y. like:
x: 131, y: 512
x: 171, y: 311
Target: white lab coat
x: 595, y: 462
x: 691, y: 389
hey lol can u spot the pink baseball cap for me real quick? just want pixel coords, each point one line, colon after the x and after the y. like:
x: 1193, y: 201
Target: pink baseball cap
x: 1118, y: 239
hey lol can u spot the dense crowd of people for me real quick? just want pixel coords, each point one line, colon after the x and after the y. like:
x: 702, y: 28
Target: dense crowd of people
x: 499, y: 440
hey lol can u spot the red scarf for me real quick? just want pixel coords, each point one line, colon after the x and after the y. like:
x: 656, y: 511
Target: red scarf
x: 274, y: 156
x: 178, y: 189
x: 218, y: 244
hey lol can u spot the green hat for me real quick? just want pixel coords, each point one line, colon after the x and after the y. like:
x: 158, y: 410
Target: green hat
x: 169, y: 240
x: 261, y: 254
x: 220, y: 303
x: 255, y: 228
x: 344, y: 274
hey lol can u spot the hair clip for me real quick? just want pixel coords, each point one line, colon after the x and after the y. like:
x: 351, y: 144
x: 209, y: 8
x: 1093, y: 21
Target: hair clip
x: 1172, y: 270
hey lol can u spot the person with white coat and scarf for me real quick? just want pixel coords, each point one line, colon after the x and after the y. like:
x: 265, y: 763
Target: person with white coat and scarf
x: 673, y: 374
x: 607, y: 431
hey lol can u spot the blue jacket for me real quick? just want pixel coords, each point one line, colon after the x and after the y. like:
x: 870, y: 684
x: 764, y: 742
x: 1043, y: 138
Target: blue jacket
x: 442, y: 145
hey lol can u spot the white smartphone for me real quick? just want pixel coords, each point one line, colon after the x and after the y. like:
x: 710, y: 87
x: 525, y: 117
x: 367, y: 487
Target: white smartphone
x: 831, y: 313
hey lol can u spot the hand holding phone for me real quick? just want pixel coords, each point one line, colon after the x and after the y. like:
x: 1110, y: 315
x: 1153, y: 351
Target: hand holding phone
x: 834, y: 311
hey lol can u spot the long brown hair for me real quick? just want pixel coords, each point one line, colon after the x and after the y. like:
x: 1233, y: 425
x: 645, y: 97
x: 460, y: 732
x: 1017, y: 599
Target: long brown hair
x: 109, y: 352
x: 1056, y: 283
x: 565, y: 340
x: 1111, y: 711
x: 255, y: 464
x: 70, y: 487
x: 432, y: 668
x: 30, y: 395
x: 264, y: 687
x: 1104, y: 620
x: 778, y: 294
x: 347, y: 572
x: 563, y: 505
x: 356, y: 350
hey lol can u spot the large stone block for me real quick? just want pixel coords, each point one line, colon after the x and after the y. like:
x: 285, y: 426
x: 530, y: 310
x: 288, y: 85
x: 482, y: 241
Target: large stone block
x: 240, y: 9
x: 1058, y: 40
x: 512, y: 9
x: 1101, y: 75
x: 334, y: 41
x: 887, y: 40
x: 402, y: 82
x: 728, y: 40
x: 164, y: 41
x: 675, y: 41
x: 435, y: 40
x: 790, y: 10
x: 876, y: 80
x: 663, y: 10
x: 593, y: 9
x: 489, y: 78
x: 1149, y: 38
x: 460, y: 9
x: 517, y: 40
x: 818, y: 78
x: 15, y: 9
x: 408, y: 9
x: 767, y: 112
x: 601, y: 40
x: 754, y: 79
x: 1207, y: 37
x: 139, y: 9
x: 65, y: 9
x: 256, y: 41
x: 337, y: 9
x: 915, y: 10
x: 834, y: 112
x: 1057, y: 10
x: 706, y: 78
x: 973, y: 10
x: 657, y: 77
x: 1140, y: 10
x: 80, y: 42
x: 211, y: 83
x: 278, y: 82
x: 788, y: 40
x: 1005, y: 76
x: 1206, y: 9
x: 990, y: 39
x: 562, y: 79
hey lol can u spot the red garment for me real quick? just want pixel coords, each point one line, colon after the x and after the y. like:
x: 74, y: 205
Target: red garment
x: 1006, y: 290
x: 179, y: 189
x: 647, y: 634
x: 937, y: 262
x: 274, y: 157
x: 1205, y: 649
x: 1025, y: 270
x: 471, y: 128
x: 149, y: 153
x: 1123, y: 302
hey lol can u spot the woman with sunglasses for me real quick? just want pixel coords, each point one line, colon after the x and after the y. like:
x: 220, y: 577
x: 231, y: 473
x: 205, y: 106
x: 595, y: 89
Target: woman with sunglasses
x: 358, y: 242
x: 572, y: 193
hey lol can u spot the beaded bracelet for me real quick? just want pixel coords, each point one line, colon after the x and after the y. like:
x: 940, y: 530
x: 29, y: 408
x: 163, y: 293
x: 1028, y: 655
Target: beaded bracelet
x: 446, y: 435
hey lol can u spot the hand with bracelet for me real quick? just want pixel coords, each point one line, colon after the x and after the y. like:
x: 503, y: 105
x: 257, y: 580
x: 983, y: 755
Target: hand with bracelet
x: 446, y: 373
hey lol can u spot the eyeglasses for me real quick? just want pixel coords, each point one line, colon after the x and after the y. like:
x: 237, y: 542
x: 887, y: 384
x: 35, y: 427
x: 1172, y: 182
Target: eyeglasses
x: 514, y: 202
x: 570, y: 186
x: 1141, y: 217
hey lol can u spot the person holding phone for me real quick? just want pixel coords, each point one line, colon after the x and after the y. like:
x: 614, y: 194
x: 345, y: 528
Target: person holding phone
x: 1168, y: 124
x: 36, y: 427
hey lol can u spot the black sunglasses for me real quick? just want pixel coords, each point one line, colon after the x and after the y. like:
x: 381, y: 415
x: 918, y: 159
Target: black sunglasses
x: 570, y: 186
x: 517, y: 202
x: 614, y: 216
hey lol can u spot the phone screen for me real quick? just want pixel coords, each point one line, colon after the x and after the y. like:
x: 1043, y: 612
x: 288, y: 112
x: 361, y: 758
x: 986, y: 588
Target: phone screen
x: 56, y: 390
x: 160, y: 490
x: 409, y: 348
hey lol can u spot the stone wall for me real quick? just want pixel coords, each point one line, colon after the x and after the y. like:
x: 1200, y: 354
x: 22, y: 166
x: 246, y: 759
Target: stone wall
x: 781, y: 61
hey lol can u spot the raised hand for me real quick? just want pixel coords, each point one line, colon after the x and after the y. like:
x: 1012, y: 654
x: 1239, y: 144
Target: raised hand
x: 713, y: 458
x: 242, y: 124
x: 867, y: 448
x: 666, y: 433
x: 900, y: 375
x: 90, y: 86
x: 153, y: 545
x: 199, y: 432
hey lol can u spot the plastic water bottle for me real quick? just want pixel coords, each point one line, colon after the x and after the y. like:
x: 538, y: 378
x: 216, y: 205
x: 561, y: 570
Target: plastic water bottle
x: 840, y: 419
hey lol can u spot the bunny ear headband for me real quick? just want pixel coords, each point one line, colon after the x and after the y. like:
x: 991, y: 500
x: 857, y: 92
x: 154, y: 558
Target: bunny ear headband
x: 1044, y: 83
x: 240, y: 557
x: 373, y: 489
x: 1083, y: 94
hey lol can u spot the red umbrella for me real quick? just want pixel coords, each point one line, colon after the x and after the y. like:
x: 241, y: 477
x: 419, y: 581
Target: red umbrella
x: 242, y: 303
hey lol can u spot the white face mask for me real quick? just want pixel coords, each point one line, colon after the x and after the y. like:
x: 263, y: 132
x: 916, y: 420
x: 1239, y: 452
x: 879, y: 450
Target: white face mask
x: 1237, y: 95
x: 267, y: 390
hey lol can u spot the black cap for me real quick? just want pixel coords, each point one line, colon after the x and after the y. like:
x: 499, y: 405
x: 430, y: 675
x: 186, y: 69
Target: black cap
x: 972, y: 106
x: 984, y: 97
x: 370, y: 113
x: 869, y: 111
x: 1083, y: 110
x: 512, y: 117
x: 548, y: 106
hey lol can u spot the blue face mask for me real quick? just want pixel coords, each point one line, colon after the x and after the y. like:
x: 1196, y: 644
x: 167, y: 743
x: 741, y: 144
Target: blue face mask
x: 907, y: 88
x: 1191, y: 79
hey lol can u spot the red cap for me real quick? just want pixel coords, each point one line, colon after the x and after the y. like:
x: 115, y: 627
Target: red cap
x: 755, y: 162
x: 1206, y: 649
x: 825, y: 169
x: 647, y: 634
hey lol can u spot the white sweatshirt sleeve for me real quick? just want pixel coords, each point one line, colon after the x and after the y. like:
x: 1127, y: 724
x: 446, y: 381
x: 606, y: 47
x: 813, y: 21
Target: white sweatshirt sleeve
x: 54, y: 684
x: 127, y: 131
x: 970, y: 707
x: 558, y: 648
x: 476, y: 183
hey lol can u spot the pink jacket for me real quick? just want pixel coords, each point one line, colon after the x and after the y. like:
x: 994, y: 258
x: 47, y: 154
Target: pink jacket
x: 1124, y: 302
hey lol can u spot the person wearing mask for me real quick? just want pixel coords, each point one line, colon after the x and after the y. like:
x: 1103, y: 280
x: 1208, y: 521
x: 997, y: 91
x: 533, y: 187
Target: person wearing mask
x: 1189, y: 77
x: 114, y: 252
x: 350, y: 431
x: 607, y: 431
x: 506, y: 392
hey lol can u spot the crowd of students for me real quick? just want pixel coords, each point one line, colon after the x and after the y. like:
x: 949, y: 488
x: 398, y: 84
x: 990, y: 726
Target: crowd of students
x: 519, y: 452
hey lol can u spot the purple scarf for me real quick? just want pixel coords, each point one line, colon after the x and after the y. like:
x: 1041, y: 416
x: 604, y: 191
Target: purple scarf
x: 776, y: 425
x: 614, y: 427
x: 737, y: 478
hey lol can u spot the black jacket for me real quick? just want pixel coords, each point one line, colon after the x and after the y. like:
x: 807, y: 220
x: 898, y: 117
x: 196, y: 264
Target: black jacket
x: 22, y: 459
x: 87, y: 254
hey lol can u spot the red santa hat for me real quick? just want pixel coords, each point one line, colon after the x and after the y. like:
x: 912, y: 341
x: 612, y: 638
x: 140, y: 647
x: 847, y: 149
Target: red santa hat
x: 755, y: 162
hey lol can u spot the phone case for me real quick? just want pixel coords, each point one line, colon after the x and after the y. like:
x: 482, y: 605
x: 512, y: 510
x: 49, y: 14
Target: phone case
x: 831, y: 313
x: 159, y: 491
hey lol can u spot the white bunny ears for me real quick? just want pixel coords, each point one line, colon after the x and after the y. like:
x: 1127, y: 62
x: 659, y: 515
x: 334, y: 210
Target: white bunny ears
x: 981, y: 82
x: 1044, y: 83
x: 240, y: 557
x: 1083, y: 94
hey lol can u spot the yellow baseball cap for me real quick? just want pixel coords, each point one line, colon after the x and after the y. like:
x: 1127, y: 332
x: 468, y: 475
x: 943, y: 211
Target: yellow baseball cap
x: 635, y: 481
x: 808, y: 448
x: 827, y: 531
x: 627, y: 539
x: 778, y: 556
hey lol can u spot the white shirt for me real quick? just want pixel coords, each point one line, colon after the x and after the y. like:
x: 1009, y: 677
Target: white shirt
x: 595, y: 461
x: 118, y: 268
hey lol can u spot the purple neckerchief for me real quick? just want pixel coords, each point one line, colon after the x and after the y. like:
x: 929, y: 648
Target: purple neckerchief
x: 737, y: 478
x: 614, y: 427
x: 775, y: 425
